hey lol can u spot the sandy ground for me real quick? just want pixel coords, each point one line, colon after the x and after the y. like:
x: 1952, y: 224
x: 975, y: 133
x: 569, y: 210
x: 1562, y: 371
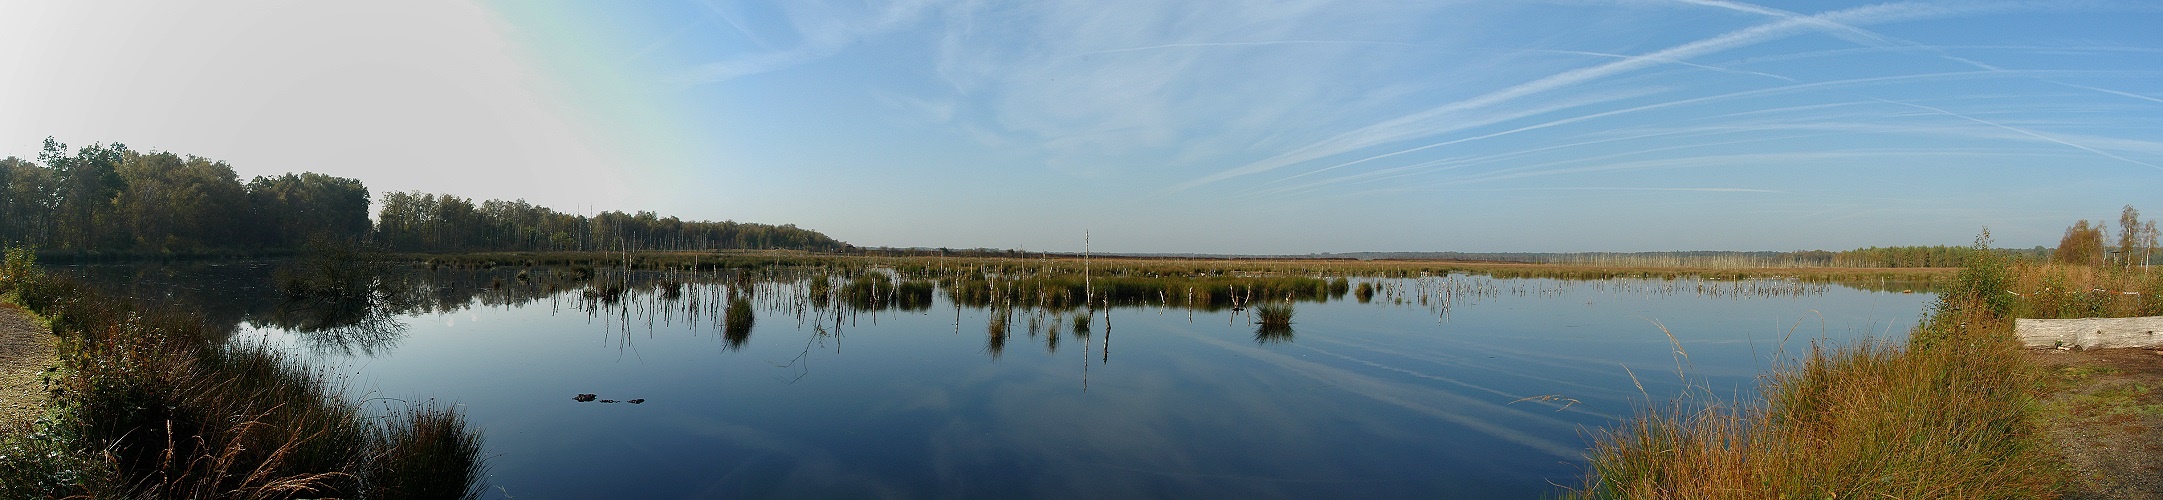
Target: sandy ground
x: 26, y: 350
x: 2106, y: 410
x: 24, y: 356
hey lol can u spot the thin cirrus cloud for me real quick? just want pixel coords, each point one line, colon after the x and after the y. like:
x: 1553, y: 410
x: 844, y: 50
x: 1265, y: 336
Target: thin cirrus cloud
x: 1421, y: 124
x: 822, y: 31
x: 1838, y: 23
x: 1202, y: 107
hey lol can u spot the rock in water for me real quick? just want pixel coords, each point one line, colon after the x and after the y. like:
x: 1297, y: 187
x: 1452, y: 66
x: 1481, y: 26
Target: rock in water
x: 583, y: 398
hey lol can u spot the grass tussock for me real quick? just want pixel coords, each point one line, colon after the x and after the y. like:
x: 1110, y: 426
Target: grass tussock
x: 427, y: 451
x: 1952, y: 413
x: 1274, y: 313
x: 736, y: 325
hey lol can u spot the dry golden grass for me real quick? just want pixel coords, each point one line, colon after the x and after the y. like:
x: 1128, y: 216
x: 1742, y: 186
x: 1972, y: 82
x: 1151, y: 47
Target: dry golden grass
x: 1951, y: 413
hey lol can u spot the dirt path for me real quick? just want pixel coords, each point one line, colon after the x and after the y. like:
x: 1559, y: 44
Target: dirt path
x: 26, y: 350
x: 2105, y: 407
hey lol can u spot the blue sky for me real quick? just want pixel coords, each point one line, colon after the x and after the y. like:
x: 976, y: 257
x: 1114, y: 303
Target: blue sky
x: 1237, y: 127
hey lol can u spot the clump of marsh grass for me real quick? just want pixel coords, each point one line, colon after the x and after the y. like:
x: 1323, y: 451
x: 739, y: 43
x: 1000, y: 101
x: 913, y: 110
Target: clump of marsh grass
x: 821, y: 290
x: 736, y: 326
x: 1273, y: 322
x: 997, y: 331
x: 427, y: 452
x: 1274, y: 313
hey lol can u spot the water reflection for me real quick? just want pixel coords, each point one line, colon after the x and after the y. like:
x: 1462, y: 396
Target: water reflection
x: 1434, y: 385
x: 1270, y: 333
x: 361, y: 319
x: 349, y: 326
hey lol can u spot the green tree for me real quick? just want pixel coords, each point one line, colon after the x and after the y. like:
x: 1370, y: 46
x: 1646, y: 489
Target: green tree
x: 28, y: 198
x: 89, y: 183
x: 293, y: 209
x: 175, y: 203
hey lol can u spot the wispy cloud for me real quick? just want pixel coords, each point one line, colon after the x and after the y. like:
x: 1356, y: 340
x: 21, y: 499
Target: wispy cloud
x: 1748, y: 160
x: 1098, y: 81
x: 1312, y: 102
x: 1869, y: 38
x: 1656, y: 189
x: 1817, y: 86
x: 1422, y: 124
x: 2030, y: 133
x: 1243, y: 44
x: 822, y: 30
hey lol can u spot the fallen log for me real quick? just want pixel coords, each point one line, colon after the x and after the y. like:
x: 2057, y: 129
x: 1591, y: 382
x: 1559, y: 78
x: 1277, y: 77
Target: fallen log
x: 2090, y: 333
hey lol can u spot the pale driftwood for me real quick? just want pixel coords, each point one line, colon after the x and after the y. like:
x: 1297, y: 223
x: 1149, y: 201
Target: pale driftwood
x: 2091, y: 333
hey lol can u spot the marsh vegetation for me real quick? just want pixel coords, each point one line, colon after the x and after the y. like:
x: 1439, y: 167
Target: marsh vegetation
x: 151, y: 402
x: 1952, y: 411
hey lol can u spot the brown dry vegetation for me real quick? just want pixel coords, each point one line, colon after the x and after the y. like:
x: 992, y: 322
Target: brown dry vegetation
x: 2050, y: 290
x: 1959, y: 410
x: 1950, y: 413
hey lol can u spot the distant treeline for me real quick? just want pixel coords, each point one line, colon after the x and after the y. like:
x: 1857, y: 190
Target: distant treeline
x: 419, y: 222
x: 106, y: 198
x: 1905, y: 256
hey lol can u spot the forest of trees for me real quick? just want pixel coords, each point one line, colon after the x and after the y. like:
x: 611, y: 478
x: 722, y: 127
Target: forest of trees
x: 1909, y: 256
x: 108, y: 198
x: 414, y: 221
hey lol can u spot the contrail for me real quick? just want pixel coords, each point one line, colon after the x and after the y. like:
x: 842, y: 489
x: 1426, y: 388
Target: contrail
x: 2027, y: 133
x: 1669, y: 104
x: 1388, y: 130
x: 1693, y: 190
x: 1524, y: 168
x: 1868, y: 37
x: 1242, y: 44
x: 1679, y: 62
x: 1719, y: 160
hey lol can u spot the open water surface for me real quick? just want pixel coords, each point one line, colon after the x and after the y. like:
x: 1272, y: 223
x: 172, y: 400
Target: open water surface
x: 1456, y: 386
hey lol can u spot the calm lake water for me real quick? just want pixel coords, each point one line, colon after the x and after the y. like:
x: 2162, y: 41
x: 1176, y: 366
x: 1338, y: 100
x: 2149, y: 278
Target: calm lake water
x: 1460, y: 386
